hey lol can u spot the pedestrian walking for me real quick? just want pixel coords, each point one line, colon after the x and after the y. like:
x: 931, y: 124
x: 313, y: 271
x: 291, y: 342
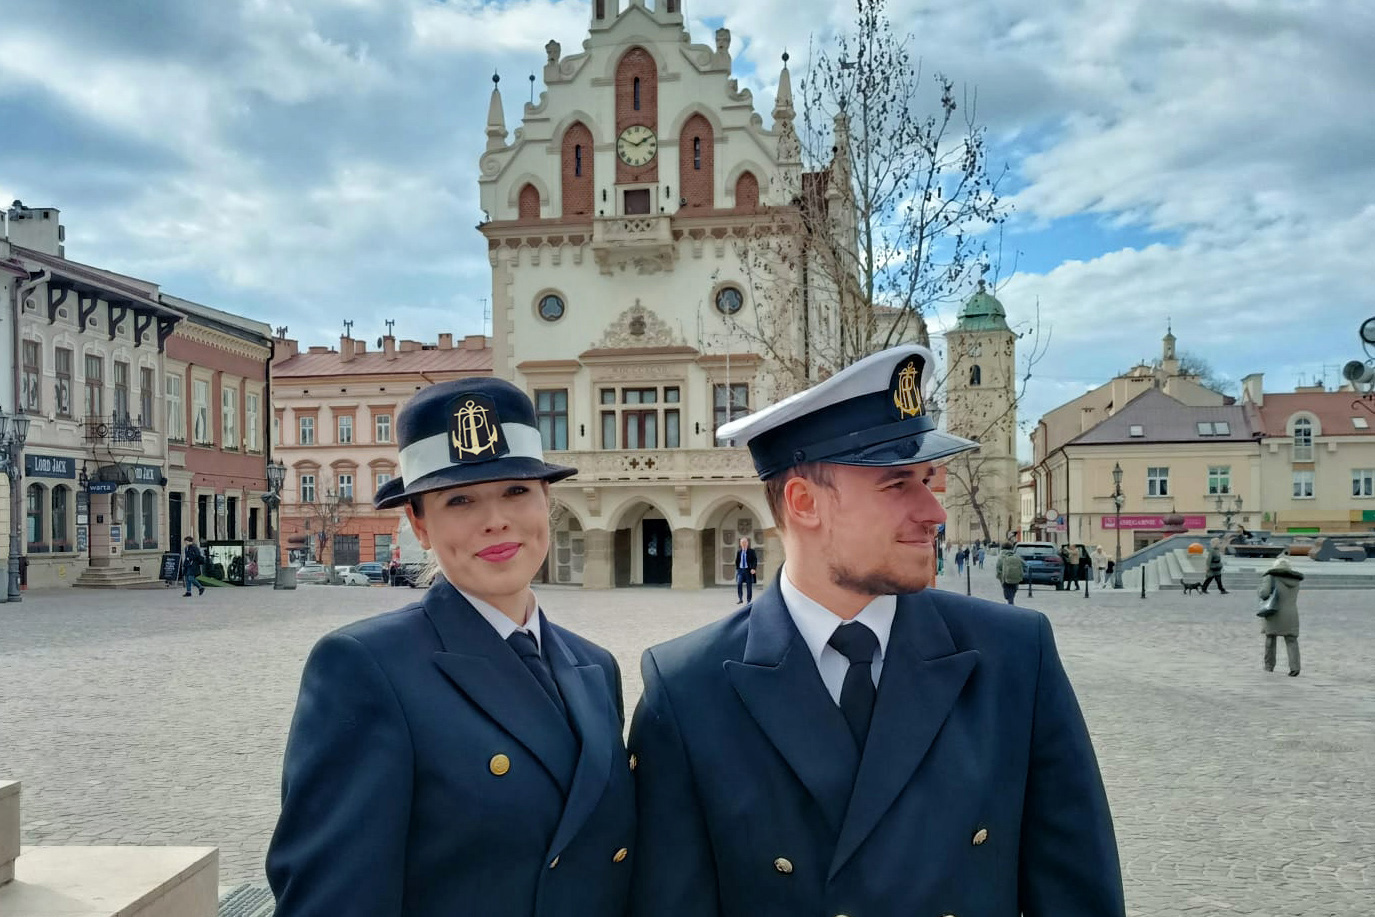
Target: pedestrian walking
x: 1009, y: 570
x: 463, y: 754
x: 746, y: 568
x: 960, y: 555
x: 981, y: 555
x: 192, y: 563
x: 811, y: 754
x: 1085, y: 565
x: 1100, y: 564
x: 1071, y: 558
x: 1214, y: 567
x: 1282, y: 581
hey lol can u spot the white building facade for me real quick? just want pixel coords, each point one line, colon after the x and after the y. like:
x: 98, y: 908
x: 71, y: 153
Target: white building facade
x: 626, y: 297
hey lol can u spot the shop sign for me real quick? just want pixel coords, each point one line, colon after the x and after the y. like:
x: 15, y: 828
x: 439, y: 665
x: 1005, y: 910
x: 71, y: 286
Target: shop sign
x: 145, y: 474
x: 49, y: 466
x: 1151, y: 523
x: 82, y: 539
x: 103, y: 487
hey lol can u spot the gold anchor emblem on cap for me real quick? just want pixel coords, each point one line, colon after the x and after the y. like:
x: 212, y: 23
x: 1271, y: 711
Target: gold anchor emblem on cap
x: 907, y: 396
x: 475, y: 434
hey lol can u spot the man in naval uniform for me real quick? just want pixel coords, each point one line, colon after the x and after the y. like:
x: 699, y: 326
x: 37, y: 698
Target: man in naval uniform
x: 854, y: 742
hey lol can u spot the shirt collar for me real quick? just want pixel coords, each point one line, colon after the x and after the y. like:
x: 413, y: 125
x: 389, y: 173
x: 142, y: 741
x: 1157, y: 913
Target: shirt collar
x: 816, y: 623
x: 503, y: 625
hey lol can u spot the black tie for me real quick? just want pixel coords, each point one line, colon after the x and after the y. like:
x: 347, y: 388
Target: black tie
x: 857, y: 643
x: 528, y: 651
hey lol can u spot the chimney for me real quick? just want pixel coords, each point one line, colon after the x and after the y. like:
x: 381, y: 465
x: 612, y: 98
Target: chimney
x: 37, y: 228
x: 1252, y: 389
x: 409, y: 346
x: 359, y: 347
x: 446, y: 342
x: 284, y: 348
x: 389, y: 346
x: 475, y: 342
x: 345, y: 349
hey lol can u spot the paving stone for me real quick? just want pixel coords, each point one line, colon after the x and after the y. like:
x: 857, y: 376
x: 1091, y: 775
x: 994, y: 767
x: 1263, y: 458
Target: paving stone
x: 143, y: 718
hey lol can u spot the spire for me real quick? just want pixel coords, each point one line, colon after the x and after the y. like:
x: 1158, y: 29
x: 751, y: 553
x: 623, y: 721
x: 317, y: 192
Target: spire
x: 496, y: 117
x: 783, y: 105
x: 789, y: 147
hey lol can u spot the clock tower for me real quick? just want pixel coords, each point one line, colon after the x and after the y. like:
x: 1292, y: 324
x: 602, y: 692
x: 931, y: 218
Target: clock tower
x: 981, y: 499
x: 626, y: 300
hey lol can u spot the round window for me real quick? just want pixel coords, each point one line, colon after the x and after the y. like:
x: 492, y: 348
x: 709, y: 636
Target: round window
x: 551, y: 308
x: 729, y: 300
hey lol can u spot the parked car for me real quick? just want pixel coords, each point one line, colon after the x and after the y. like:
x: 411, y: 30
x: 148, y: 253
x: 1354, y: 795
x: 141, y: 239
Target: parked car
x: 1042, y: 562
x: 374, y: 571
x: 350, y: 576
x: 312, y: 573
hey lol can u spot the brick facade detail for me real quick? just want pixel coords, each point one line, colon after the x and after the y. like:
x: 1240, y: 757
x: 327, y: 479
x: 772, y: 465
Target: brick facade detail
x: 577, y: 180
x: 637, y: 64
x: 697, y: 163
x: 747, y: 192
x: 528, y: 207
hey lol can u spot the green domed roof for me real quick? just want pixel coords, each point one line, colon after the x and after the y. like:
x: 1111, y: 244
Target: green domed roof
x: 983, y: 312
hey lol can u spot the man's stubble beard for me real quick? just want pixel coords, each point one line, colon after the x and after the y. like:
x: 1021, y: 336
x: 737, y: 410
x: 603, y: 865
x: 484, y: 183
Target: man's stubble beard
x: 877, y: 582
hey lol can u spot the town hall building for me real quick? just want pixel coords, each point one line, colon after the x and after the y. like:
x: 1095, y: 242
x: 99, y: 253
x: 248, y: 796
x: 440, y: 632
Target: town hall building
x: 625, y: 221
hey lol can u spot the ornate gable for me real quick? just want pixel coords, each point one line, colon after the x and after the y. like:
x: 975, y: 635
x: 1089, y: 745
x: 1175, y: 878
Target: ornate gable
x: 637, y: 327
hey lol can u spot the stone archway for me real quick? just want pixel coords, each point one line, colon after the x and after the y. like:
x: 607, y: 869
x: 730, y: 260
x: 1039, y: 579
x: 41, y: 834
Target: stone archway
x: 727, y: 526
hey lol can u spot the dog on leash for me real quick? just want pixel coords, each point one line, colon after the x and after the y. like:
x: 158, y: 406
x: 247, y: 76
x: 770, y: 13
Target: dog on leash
x: 1193, y: 587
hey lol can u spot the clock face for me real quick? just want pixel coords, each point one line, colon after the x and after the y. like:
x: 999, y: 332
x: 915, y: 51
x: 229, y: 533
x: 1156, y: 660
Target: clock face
x: 637, y: 145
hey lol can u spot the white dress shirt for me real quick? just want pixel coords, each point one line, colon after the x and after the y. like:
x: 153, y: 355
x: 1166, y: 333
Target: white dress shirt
x: 816, y: 624
x: 503, y: 625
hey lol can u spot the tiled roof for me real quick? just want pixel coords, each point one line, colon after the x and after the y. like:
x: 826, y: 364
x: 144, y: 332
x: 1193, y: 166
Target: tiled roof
x: 375, y: 363
x: 1162, y: 419
x: 1334, y: 411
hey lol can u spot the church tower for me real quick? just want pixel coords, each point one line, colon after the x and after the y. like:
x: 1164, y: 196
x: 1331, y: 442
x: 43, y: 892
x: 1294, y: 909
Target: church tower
x: 624, y: 212
x: 981, y: 404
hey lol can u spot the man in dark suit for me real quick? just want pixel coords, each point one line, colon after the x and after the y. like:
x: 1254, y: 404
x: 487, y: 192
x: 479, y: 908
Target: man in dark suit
x: 746, y: 566
x: 855, y: 743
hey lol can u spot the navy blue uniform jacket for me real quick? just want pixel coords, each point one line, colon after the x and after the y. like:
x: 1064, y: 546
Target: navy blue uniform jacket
x: 393, y: 799
x: 977, y: 793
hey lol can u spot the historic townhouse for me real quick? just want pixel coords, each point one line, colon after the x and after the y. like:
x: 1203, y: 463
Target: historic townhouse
x: 334, y: 421
x: 216, y: 425
x: 627, y: 217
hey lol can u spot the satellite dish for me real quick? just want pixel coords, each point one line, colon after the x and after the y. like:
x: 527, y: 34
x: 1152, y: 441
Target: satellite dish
x: 1368, y: 331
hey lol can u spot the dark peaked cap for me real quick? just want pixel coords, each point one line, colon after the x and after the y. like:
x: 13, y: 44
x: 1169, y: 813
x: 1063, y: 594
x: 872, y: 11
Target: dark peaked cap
x: 468, y: 431
x: 871, y: 413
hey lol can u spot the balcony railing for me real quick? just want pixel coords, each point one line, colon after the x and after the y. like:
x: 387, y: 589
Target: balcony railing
x: 669, y: 465
x: 643, y: 241
x: 115, y: 430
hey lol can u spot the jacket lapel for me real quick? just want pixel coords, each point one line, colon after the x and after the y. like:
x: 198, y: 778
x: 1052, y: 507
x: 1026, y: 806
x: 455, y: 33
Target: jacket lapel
x: 583, y: 687
x: 778, y: 683
x: 922, y: 678
x: 491, y: 675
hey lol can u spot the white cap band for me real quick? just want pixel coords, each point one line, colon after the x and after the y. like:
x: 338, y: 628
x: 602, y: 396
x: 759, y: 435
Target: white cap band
x: 431, y: 454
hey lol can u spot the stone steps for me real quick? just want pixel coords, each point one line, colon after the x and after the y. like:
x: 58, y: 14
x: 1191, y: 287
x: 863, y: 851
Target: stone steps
x: 114, y: 578
x: 101, y: 881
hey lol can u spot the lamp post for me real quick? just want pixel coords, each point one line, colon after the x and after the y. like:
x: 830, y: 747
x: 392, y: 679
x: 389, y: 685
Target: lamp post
x: 1228, y: 509
x: 1117, y: 501
x: 14, y: 430
x: 276, y: 474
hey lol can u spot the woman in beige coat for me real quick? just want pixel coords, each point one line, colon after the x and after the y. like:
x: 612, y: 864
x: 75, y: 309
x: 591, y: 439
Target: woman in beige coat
x: 1284, y: 580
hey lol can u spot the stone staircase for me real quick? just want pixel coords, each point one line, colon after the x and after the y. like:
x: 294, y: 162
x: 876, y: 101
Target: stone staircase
x: 1172, y: 569
x: 101, y: 881
x: 116, y: 578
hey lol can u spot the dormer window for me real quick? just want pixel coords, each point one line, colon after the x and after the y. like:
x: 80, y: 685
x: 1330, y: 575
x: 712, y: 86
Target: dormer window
x: 1136, y: 430
x: 1360, y: 423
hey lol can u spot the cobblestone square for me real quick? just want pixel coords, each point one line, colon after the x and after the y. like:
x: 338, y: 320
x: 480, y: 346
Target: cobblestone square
x: 141, y: 717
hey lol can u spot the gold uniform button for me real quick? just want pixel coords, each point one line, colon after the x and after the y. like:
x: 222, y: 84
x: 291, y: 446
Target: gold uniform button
x: 783, y: 865
x: 554, y: 863
x: 634, y: 762
x: 499, y: 765
x: 979, y: 837
x: 620, y: 855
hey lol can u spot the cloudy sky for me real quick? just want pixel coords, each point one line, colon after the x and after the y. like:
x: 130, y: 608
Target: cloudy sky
x: 1206, y: 162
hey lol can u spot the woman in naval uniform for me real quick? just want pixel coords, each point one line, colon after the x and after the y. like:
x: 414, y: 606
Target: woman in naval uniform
x: 461, y: 755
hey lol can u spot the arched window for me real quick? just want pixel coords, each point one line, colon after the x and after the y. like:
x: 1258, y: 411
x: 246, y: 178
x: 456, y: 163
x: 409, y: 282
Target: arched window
x: 637, y: 93
x: 637, y: 103
x: 150, y: 520
x: 61, y: 503
x: 976, y: 375
x: 130, y: 519
x: 578, y: 171
x: 36, y: 532
x: 1303, y: 439
x: 696, y: 163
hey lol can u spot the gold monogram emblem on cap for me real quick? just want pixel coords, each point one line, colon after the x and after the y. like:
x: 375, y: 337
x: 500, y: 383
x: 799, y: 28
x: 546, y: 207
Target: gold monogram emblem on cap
x: 473, y: 433
x: 907, y: 391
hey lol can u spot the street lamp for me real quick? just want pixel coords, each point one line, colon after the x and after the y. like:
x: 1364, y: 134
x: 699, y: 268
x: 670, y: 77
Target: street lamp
x: 1117, y: 501
x: 276, y: 474
x: 1228, y: 510
x: 14, y: 431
